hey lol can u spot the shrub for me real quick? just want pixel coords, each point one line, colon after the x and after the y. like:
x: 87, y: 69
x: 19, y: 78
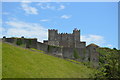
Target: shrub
x: 29, y: 42
x: 76, y: 55
x: 48, y: 48
x: 108, y: 63
x: 114, y: 48
x: 19, y: 42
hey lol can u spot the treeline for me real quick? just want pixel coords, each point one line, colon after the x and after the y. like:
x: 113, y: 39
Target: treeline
x: 109, y: 63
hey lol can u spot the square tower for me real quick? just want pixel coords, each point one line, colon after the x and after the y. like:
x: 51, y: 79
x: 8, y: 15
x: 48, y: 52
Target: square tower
x: 76, y: 34
x: 52, y: 34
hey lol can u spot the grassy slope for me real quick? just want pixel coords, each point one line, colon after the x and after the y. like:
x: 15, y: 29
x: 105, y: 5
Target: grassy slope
x: 23, y: 63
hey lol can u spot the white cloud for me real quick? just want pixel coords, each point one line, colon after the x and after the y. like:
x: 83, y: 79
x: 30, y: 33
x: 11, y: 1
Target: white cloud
x: 61, y: 7
x: 45, y: 5
x: 29, y: 30
x: 28, y: 9
x: 97, y: 39
x: 65, y: 16
x: 44, y: 20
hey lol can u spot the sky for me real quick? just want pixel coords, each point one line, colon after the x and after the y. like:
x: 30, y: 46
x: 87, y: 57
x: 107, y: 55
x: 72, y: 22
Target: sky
x: 97, y: 21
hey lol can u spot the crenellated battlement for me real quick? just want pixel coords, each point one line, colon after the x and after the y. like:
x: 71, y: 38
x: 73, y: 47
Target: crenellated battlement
x: 65, y: 33
x: 52, y: 30
x: 75, y: 29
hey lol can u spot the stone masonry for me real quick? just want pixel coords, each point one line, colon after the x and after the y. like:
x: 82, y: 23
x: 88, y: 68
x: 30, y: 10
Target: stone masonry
x: 64, y: 39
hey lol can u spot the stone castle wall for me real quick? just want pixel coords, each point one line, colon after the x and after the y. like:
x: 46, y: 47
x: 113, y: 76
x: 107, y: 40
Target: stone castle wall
x: 27, y: 42
x: 31, y: 43
x: 55, y: 50
x: 10, y: 40
x: 65, y: 52
x: 86, y: 54
x: 41, y: 46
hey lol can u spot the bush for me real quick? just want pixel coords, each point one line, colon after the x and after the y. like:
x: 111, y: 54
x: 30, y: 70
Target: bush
x: 48, y: 48
x: 114, y: 48
x: 76, y: 55
x: 108, y: 63
x: 30, y: 42
x: 19, y: 42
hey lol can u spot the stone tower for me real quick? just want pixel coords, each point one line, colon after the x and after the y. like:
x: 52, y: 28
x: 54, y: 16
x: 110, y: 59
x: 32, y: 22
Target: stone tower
x: 65, y: 39
x: 76, y: 34
x: 52, y: 34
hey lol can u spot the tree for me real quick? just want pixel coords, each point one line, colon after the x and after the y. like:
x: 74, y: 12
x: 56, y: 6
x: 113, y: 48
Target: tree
x: 108, y: 63
x: 114, y: 48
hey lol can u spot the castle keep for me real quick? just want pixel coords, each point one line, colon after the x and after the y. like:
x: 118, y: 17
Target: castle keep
x: 62, y: 45
x: 65, y: 39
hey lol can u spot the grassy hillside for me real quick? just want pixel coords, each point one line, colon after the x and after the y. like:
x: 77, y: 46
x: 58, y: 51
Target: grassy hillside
x: 23, y: 63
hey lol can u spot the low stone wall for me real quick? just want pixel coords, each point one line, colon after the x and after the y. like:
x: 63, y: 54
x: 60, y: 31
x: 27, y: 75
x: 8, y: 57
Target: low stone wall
x: 41, y: 46
x: 82, y: 53
x: 70, y: 53
x: 31, y: 43
x: 10, y: 40
x: 55, y: 50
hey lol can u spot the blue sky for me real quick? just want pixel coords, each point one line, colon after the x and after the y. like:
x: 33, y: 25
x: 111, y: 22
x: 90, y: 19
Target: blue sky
x: 98, y: 21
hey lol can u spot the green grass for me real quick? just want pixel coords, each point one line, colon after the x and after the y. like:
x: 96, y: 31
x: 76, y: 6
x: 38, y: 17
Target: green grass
x: 77, y: 62
x: 37, y: 50
x: 24, y: 63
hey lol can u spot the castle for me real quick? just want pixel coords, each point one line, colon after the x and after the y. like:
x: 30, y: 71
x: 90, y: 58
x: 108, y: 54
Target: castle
x: 65, y: 39
x: 62, y: 45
